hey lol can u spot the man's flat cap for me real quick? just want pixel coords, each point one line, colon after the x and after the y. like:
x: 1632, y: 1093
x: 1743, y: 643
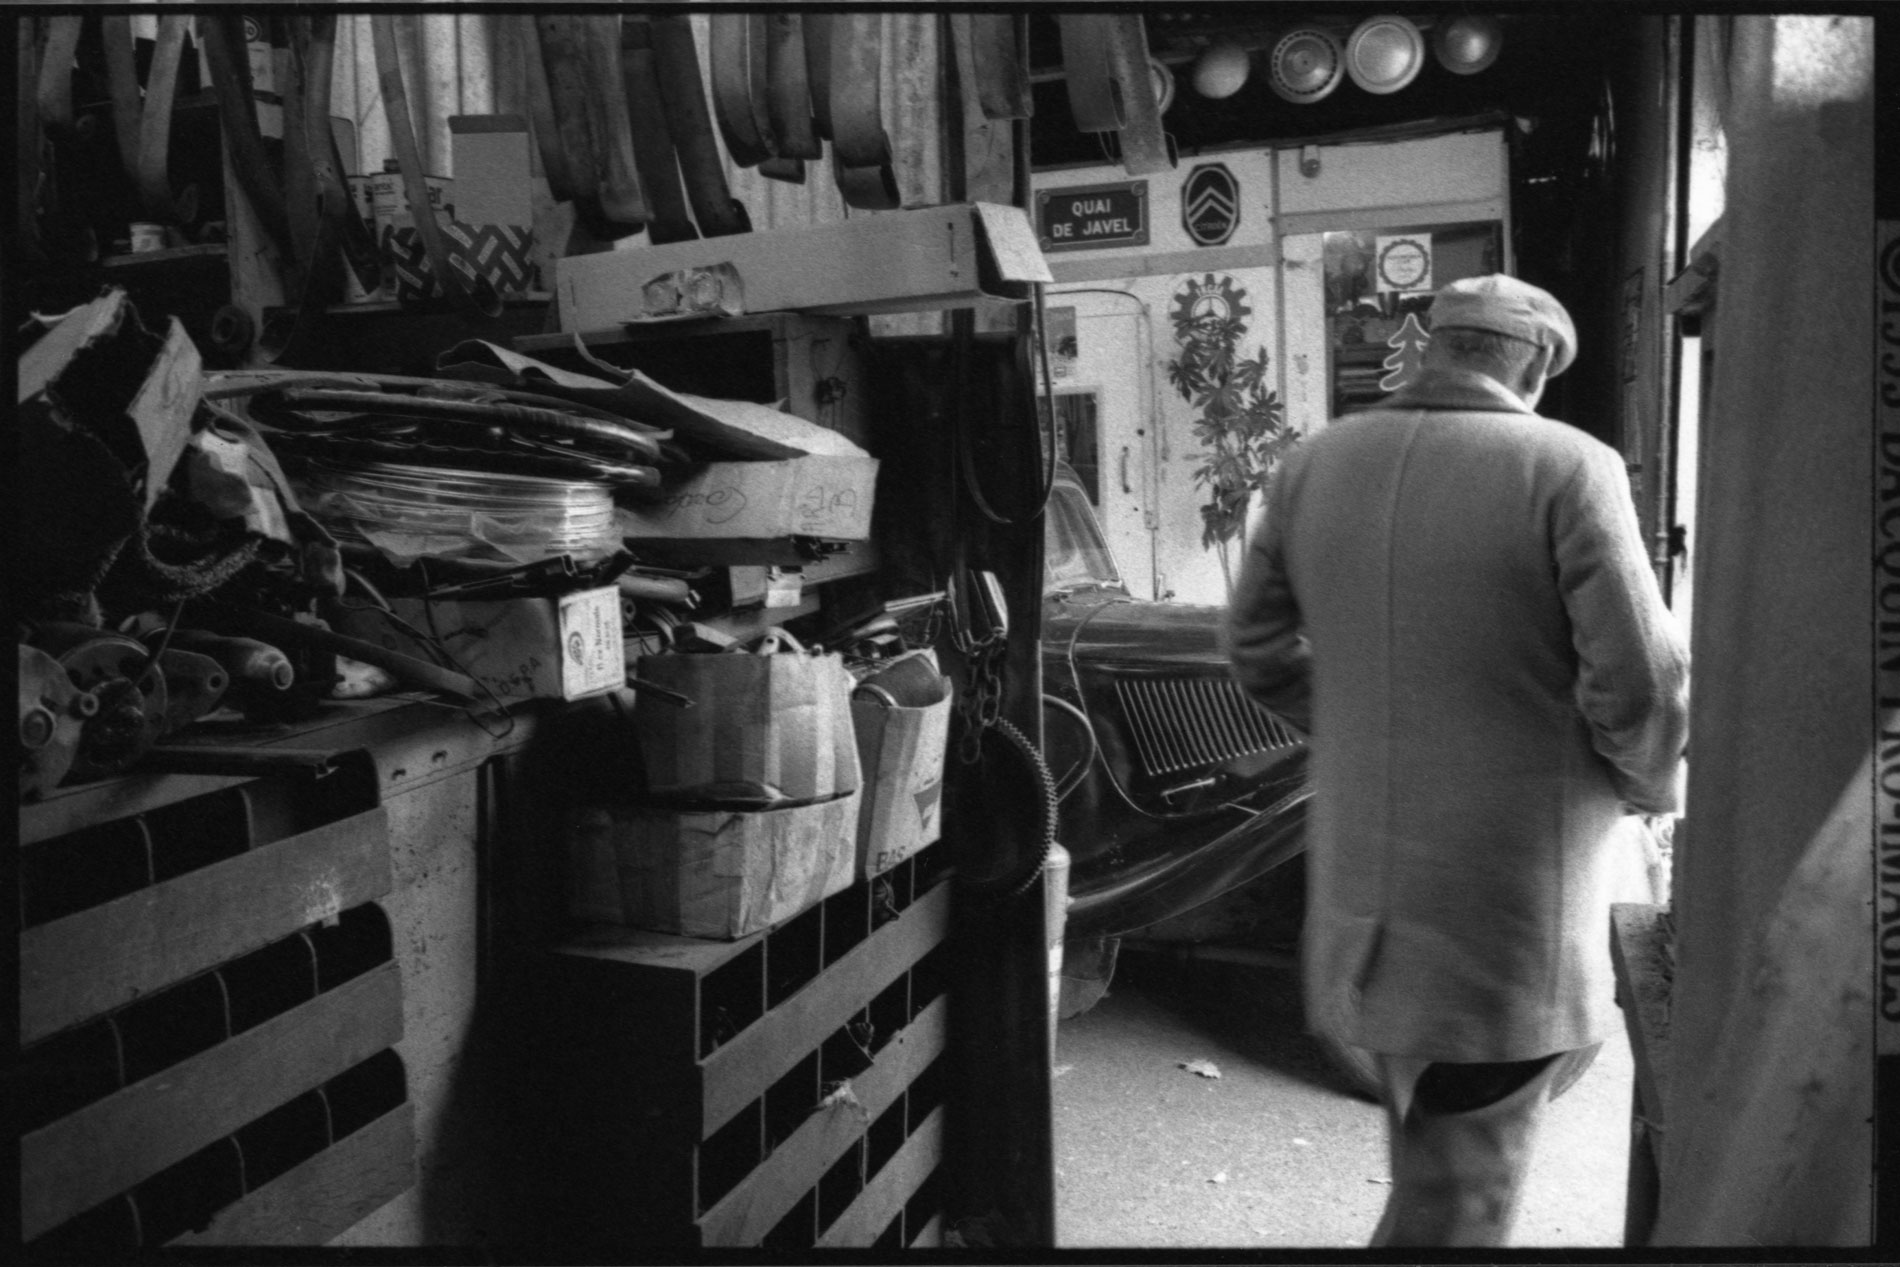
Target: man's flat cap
x: 1505, y: 305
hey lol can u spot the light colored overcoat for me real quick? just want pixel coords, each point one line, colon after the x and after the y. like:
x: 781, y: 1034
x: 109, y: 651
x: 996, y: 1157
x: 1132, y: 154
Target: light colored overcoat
x: 1453, y: 593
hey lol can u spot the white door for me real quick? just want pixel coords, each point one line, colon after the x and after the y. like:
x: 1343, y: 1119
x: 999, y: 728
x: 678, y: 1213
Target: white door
x: 1104, y: 405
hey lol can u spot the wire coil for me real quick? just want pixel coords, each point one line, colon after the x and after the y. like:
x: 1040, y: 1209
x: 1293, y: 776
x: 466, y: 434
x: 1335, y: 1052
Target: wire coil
x: 419, y: 511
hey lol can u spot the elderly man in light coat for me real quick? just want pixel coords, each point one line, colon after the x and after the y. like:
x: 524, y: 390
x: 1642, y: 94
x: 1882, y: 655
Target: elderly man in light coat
x: 1451, y: 593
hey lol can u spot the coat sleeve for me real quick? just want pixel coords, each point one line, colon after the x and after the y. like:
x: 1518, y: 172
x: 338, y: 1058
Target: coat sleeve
x: 1632, y: 668
x: 1271, y: 656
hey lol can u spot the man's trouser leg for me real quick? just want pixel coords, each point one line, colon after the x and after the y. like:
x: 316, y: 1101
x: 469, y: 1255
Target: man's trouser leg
x: 1461, y: 1137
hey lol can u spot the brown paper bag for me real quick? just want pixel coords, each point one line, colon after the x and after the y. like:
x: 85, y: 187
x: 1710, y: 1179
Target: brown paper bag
x: 778, y: 720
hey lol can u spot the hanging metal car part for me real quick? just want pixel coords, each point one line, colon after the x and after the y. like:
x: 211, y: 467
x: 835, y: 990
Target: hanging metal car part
x: 653, y: 151
x: 729, y: 35
x: 463, y: 289
x: 860, y: 148
x: 683, y: 95
x: 991, y: 61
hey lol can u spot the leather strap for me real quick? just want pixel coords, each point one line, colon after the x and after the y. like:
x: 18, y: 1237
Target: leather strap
x: 122, y: 81
x: 788, y: 94
x: 564, y: 52
x: 56, y: 72
x: 857, y: 118
x: 652, y: 146
x: 683, y: 96
x: 867, y: 188
x: 231, y: 84
x: 758, y: 82
x: 300, y: 178
x: 731, y: 89
x: 992, y: 65
x: 1094, y: 94
x: 29, y: 140
x: 860, y: 148
x: 155, y: 121
x: 563, y: 182
x: 789, y: 170
x: 1144, y: 145
x: 314, y: 194
x: 474, y: 292
x: 818, y: 71
x: 622, y: 199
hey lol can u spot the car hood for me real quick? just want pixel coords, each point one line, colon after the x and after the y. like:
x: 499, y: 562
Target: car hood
x: 1106, y: 627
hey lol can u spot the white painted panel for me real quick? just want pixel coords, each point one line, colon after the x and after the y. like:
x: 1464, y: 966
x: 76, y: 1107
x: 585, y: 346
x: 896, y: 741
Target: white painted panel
x: 1458, y: 168
x: 1304, y: 377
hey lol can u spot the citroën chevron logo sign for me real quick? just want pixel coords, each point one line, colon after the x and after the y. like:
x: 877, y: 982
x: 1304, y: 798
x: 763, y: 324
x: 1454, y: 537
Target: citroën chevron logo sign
x: 1210, y: 204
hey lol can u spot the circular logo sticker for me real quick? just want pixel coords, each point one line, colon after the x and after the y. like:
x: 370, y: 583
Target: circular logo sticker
x: 1210, y: 204
x: 1404, y: 265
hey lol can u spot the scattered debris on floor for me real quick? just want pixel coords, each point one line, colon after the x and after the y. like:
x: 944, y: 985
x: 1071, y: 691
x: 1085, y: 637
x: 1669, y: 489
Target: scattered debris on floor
x: 1220, y: 1178
x: 1205, y: 1068
x: 1059, y: 1070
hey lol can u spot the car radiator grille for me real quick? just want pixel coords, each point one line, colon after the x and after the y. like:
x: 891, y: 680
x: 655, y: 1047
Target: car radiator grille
x: 1187, y: 723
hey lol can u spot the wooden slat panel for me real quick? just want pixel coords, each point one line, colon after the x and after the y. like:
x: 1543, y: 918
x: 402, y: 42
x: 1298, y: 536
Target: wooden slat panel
x: 932, y: 1235
x: 90, y: 962
x: 132, y: 1134
x: 739, y: 1072
x: 326, y: 1195
x: 867, y: 1217
x: 748, y: 1212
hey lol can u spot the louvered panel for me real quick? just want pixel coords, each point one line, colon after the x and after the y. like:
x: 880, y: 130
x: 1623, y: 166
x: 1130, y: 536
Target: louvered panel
x: 1188, y: 723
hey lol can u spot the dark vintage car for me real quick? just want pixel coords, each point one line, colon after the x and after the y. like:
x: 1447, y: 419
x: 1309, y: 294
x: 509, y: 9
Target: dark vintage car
x: 1175, y: 787
x: 1182, y: 801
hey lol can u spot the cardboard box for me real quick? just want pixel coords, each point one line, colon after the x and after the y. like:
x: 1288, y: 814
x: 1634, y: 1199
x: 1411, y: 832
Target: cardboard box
x: 902, y: 719
x: 716, y: 873
x: 105, y: 342
x: 952, y: 256
x: 520, y: 648
x: 492, y: 179
x: 817, y: 496
x: 494, y: 201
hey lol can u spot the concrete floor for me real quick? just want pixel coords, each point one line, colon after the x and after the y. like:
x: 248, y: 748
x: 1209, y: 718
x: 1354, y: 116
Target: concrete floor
x: 1273, y: 1153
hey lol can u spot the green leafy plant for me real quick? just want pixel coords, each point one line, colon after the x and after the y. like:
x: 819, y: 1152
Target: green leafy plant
x: 1242, y: 424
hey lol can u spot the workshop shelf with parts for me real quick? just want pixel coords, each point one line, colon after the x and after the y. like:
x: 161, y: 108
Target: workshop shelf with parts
x: 599, y: 591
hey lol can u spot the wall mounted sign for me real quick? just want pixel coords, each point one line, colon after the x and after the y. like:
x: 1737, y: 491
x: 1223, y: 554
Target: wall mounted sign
x: 1085, y: 216
x: 1210, y: 204
x: 1403, y: 262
